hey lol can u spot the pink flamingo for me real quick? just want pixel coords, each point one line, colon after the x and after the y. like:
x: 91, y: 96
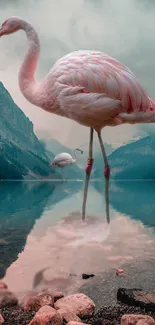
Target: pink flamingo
x: 65, y: 159
x: 89, y: 87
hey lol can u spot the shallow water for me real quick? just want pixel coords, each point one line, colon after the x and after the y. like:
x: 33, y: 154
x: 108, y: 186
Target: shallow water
x: 41, y: 226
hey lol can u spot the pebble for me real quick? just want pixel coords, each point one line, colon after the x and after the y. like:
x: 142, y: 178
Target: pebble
x: 79, y: 304
x: 68, y: 315
x: 34, y: 301
x: 46, y: 316
x: 7, y: 298
x: 132, y: 319
x: 3, y: 285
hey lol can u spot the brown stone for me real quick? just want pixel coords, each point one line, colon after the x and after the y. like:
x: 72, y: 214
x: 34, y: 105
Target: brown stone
x: 34, y: 301
x: 3, y: 285
x: 68, y: 315
x: 132, y: 319
x: 46, y: 316
x: 79, y: 304
x: 1, y: 319
x: 7, y: 298
x: 141, y: 322
x: 55, y: 294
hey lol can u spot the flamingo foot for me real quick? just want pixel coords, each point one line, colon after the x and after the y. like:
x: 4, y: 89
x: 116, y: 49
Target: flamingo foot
x: 107, y: 171
x: 89, y: 166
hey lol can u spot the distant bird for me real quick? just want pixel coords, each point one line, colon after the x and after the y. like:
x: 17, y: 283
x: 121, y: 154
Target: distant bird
x: 89, y: 87
x: 64, y: 159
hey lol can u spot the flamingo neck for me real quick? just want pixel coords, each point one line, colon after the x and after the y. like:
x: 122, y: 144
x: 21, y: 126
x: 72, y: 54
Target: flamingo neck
x: 74, y: 156
x: 27, y: 83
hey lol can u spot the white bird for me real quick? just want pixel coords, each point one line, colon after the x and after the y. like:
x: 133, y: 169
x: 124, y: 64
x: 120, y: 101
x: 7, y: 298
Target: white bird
x: 64, y: 159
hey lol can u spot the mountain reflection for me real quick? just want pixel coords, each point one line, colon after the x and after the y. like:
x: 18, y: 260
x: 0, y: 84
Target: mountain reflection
x: 135, y: 199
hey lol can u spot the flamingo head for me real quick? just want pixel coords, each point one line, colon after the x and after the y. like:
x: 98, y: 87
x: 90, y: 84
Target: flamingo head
x: 52, y: 164
x: 80, y: 150
x: 10, y: 25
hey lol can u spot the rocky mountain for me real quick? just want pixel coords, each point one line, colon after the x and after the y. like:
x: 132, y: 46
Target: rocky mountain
x: 22, y: 156
x: 135, y: 160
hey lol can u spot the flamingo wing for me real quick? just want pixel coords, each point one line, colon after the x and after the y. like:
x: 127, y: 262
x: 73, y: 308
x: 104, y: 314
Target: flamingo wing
x: 62, y: 158
x: 92, y: 82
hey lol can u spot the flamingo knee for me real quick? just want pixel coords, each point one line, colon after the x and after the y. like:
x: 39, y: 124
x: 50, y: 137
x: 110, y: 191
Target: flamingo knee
x: 107, y: 171
x: 89, y: 166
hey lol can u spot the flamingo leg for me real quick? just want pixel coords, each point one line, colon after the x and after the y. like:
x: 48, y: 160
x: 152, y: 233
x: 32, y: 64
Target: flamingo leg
x: 107, y: 175
x: 88, y: 172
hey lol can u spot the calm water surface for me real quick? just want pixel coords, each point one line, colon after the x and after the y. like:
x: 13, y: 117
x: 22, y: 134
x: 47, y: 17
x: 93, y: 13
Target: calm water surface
x: 40, y: 226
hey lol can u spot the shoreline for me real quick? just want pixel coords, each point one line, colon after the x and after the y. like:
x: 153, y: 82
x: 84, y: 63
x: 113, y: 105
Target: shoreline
x: 107, y: 315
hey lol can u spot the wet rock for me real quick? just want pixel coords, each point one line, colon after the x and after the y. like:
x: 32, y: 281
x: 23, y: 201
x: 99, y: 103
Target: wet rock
x: 79, y: 304
x: 137, y: 298
x: 87, y: 276
x: 55, y: 294
x: 34, y: 301
x: 46, y: 316
x: 1, y: 319
x: 132, y: 319
x: 68, y: 315
x: 3, y: 285
x: 7, y: 298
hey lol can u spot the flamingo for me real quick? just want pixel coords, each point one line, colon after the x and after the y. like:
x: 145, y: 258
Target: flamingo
x: 64, y: 159
x: 89, y: 87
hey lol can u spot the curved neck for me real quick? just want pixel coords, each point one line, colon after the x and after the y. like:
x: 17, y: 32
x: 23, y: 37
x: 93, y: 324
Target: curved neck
x: 27, y: 83
x: 74, y: 155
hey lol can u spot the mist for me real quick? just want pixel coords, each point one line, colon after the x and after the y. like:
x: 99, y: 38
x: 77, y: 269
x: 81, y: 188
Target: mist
x: 124, y: 29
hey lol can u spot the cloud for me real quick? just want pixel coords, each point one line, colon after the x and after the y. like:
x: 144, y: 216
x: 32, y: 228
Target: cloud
x: 124, y: 29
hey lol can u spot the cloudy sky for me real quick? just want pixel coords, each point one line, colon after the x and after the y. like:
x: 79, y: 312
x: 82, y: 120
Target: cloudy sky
x: 124, y: 29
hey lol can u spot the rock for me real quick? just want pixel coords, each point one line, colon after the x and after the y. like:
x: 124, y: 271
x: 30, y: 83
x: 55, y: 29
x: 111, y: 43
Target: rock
x: 1, y: 319
x: 7, y: 298
x: 87, y: 276
x: 76, y: 323
x: 46, y: 315
x: 68, y: 315
x: 132, y: 319
x: 137, y: 298
x: 34, y: 301
x: 55, y: 294
x: 3, y: 285
x: 141, y: 322
x: 79, y: 304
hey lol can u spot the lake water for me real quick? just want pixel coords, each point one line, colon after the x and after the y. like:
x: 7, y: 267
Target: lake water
x: 41, y: 226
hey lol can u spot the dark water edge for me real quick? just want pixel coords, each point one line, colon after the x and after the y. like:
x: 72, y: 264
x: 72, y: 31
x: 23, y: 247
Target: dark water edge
x: 102, y: 289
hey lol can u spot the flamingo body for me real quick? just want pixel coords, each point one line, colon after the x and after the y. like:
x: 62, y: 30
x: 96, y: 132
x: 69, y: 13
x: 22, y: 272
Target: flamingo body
x: 96, y: 90
x: 65, y: 159
x: 89, y: 87
x: 62, y: 159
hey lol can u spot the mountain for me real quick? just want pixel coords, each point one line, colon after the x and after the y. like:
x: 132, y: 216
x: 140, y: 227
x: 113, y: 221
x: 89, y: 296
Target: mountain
x: 54, y: 147
x: 21, y: 154
x: 135, y: 160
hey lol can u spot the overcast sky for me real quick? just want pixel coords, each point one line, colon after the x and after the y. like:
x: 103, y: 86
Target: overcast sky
x: 124, y: 29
